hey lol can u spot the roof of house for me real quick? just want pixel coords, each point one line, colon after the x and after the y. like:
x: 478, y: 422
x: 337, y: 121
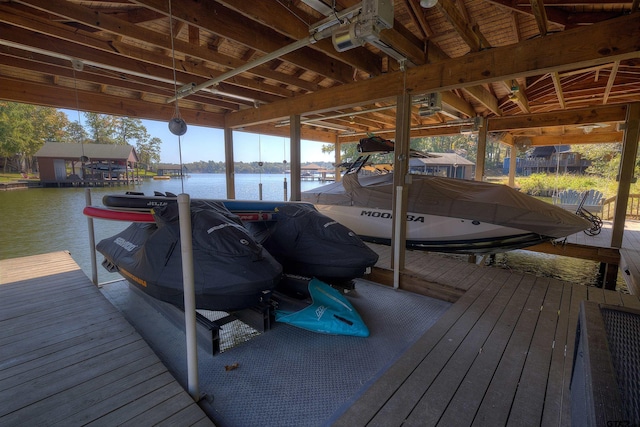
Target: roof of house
x: 94, y: 152
x: 548, y: 150
x: 440, y: 159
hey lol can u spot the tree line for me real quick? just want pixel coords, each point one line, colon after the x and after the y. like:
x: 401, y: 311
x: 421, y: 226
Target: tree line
x: 25, y: 128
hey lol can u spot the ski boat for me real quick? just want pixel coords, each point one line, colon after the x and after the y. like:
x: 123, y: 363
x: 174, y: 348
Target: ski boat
x: 445, y: 214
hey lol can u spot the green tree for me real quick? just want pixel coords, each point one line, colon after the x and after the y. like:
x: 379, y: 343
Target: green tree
x: 23, y: 131
x: 75, y: 134
x: 605, y: 158
x: 102, y: 128
x: 127, y: 129
x: 148, y: 150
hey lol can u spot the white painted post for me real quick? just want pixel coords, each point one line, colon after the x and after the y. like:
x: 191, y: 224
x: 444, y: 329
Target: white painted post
x: 92, y: 240
x: 184, y: 213
x: 398, y: 222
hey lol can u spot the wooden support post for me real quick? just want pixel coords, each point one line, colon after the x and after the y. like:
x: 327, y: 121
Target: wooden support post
x: 337, y: 159
x: 513, y: 162
x: 482, y: 153
x: 627, y: 166
x: 229, y: 169
x: 294, y: 129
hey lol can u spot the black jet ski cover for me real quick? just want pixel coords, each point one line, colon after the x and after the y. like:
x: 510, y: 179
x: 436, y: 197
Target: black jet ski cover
x: 231, y: 270
x: 311, y: 244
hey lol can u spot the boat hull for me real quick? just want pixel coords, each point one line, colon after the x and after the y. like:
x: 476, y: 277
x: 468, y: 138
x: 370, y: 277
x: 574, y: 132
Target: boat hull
x: 431, y: 232
x: 445, y: 214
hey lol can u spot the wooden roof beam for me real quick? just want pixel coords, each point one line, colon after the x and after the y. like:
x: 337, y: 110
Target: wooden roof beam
x: 122, y: 28
x: 215, y: 17
x: 590, y: 138
x: 272, y: 14
x: 604, y: 114
x: 610, y: 81
x: 537, y: 6
x: 557, y: 84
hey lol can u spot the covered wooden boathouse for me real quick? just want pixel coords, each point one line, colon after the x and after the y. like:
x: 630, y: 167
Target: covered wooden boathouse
x: 528, y: 73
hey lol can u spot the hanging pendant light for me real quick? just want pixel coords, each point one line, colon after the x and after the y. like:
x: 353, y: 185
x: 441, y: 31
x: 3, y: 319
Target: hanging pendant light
x: 177, y: 126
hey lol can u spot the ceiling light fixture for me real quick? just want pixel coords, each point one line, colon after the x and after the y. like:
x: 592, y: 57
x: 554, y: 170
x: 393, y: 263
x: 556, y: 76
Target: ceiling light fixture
x: 428, y: 4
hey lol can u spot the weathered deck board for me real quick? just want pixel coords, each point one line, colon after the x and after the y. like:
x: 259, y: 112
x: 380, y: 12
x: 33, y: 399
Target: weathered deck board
x: 68, y: 357
x: 501, y: 355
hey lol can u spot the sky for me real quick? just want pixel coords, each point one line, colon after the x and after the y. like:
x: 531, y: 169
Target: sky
x: 205, y: 144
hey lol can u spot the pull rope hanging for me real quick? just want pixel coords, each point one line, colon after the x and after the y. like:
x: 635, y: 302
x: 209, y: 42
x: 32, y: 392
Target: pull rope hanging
x: 77, y: 64
x: 284, y: 162
x: 260, y: 164
x: 177, y: 125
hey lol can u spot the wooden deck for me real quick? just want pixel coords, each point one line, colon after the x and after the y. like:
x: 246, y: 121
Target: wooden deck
x: 68, y: 357
x: 501, y: 355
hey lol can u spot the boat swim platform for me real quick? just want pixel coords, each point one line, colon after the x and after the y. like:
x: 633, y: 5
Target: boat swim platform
x: 69, y: 357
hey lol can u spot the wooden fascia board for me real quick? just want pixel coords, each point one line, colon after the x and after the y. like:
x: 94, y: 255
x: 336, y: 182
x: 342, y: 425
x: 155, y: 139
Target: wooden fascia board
x: 588, y: 138
x: 609, y: 41
x: 214, y: 17
x: 284, y: 132
x: 59, y: 97
x: 601, y: 114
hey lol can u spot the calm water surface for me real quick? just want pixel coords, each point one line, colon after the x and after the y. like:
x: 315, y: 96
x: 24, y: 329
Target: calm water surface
x: 42, y: 220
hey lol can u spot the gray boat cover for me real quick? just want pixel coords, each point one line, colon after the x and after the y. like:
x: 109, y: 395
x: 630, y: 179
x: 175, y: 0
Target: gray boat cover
x: 456, y: 198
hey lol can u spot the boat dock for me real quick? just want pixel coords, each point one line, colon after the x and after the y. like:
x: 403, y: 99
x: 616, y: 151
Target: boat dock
x: 69, y: 357
x: 497, y: 348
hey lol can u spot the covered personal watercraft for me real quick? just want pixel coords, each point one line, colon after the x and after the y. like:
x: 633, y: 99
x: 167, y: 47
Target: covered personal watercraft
x: 310, y: 244
x: 231, y: 270
x: 306, y: 242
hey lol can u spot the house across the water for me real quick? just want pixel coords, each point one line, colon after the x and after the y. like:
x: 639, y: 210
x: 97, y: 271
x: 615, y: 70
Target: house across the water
x: 66, y: 165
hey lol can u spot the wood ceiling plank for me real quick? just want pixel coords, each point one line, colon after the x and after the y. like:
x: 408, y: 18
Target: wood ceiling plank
x: 600, y: 43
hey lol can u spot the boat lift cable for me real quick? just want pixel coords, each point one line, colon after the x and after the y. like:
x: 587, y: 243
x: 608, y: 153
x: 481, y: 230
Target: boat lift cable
x: 260, y: 165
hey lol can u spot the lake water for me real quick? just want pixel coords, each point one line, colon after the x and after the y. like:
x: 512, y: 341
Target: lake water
x: 42, y: 220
